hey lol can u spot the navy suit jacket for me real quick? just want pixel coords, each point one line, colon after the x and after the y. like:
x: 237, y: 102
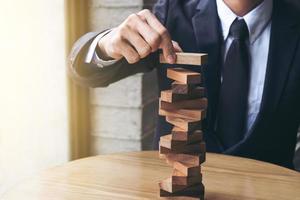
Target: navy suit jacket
x: 195, y: 25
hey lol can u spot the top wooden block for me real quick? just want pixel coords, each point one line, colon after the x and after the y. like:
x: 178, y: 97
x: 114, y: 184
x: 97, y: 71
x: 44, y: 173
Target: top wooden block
x: 188, y: 58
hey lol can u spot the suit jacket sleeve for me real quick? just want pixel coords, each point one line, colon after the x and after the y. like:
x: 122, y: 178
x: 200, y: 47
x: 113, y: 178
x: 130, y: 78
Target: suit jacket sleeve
x: 89, y: 74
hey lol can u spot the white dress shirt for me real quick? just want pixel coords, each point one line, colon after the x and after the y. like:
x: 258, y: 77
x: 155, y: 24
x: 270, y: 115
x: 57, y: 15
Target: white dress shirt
x: 259, y: 26
x: 92, y: 56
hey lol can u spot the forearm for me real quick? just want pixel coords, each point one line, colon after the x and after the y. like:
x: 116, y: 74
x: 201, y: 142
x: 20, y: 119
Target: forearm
x: 86, y: 71
x: 134, y: 41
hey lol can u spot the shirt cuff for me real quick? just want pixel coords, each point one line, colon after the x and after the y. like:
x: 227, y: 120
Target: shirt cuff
x: 92, y: 56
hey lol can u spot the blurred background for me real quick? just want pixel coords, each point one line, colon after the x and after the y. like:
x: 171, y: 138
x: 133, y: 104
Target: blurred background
x: 47, y: 120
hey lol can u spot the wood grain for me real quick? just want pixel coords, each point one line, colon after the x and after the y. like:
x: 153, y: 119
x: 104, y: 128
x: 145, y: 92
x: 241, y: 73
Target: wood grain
x: 184, y: 104
x: 189, y: 137
x: 184, y: 124
x: 184, y: 75
x: 197, y: 191
x: 169, y: 96
x: 190, y: 148
x: 135, y: 176
x: 179, y: 178
x: 168, y: 142
x: 187, y: 58
x: 181, y: 88
x: 195, y: 159
x: 192, y: 114
x: 168, y: 186
x: 187, y: 168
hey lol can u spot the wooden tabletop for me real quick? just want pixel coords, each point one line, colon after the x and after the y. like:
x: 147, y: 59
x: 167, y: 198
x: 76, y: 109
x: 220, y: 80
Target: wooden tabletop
x: 134, y: 176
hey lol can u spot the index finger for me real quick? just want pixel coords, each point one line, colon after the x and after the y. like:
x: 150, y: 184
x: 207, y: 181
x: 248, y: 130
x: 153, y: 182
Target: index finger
x: 166, y: 42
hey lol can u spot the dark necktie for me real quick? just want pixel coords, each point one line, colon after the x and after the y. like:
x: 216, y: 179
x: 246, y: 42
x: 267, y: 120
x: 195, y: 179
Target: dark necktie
x: 233, y: 100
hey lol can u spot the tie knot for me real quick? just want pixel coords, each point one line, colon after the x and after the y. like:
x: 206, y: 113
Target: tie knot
x: 239, y: 29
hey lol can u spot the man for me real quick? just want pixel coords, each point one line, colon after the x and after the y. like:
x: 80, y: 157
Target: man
x: 252, y: 76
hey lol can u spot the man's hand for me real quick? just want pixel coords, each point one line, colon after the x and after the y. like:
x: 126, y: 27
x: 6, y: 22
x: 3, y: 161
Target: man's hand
x: 138, y: 36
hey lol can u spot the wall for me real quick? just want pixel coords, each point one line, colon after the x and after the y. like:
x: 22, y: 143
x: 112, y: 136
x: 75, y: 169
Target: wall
x: 122, y: 115
x: 33, y: 102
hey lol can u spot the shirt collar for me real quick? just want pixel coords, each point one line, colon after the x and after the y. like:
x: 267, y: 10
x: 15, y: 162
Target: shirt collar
x: 256, y: 20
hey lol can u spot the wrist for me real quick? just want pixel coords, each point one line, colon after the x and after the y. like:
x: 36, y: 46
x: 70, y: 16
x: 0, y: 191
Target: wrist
x: 101, y: 52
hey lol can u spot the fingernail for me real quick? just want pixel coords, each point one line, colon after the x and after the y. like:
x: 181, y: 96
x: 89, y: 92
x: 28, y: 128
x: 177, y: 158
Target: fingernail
x: 171, y: 59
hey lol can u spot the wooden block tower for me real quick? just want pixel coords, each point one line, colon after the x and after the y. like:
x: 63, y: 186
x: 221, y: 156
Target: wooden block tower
x: 184, y: 106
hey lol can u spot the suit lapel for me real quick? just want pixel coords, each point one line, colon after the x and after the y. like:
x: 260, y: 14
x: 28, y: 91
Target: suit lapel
x: 208, y: 36
x: 283, y: 42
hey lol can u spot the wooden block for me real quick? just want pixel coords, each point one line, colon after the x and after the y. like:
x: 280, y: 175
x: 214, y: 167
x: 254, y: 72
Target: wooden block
x: 171, y: 157
x: 179, y: 178
x: 168, y: 186
x: 181, y: 88
x: 195, y: 159
x: 197, y: 92
x: 184, y: 75
x: 192, y: 114
x: 198, y: 148
x: 195, y: 192
x: 185, y: 136
x: 188, y: 169
x: 163, y: 150
x: 168, y: 142
x: 182, y: 139
x: 184, y: 124
x: 169, y: 96
x: 188, y: 58
x: 178, y: 197
x: 185, y: 104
